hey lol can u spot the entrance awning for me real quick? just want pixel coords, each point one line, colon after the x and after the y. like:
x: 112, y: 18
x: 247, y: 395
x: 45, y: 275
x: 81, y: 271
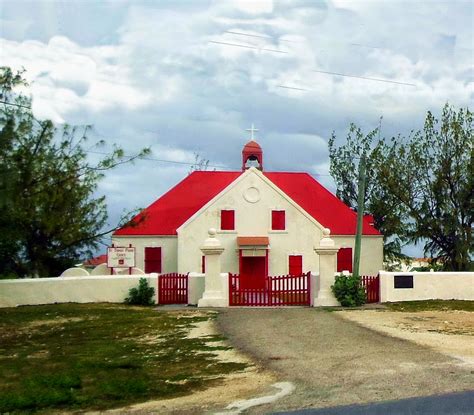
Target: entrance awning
x: 252, y: 241
x: 253, y: 246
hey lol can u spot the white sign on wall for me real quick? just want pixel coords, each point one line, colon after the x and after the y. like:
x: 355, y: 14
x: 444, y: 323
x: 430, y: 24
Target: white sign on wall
x: 120, y: 257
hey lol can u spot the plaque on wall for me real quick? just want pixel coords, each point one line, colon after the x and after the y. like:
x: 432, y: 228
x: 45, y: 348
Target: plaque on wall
x: 403, y: 281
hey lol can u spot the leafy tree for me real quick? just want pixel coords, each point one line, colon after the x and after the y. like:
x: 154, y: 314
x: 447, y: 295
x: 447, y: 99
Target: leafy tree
x: 419, y: 188
x: 50, y: 214
x: 344, y: 167
x: 430, y: 175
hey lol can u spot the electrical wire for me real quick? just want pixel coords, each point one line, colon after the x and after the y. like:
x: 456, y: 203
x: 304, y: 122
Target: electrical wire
x: 364, y: 77
x: 193, y: 164
x: 162, y: 160
x: 15, y: 105
x: 259, y: 36
x: 247, y: 46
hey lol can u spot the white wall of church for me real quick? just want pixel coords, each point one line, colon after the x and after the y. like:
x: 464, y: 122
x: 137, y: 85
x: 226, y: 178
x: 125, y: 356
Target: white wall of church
x: 252, y: 218
x: 168, y: 244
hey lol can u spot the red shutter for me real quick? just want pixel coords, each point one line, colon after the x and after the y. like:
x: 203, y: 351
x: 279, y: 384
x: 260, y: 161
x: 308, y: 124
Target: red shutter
x: 278, y: 220
x: 344, y: 260
x: 152, y: 260
x: 227, y: 220
x: 295, y: 265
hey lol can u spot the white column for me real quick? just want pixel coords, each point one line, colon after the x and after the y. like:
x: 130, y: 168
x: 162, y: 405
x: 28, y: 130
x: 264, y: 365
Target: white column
x: 214, y: 295
x: 327, y: 252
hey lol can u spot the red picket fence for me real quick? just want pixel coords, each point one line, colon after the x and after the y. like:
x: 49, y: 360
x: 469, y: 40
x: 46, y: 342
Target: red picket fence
x: 284, y: 290
x: 173, y: 288
x: 371, y: 285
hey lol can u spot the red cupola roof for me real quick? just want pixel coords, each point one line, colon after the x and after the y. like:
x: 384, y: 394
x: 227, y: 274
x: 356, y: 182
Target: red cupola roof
x: 252, y: 152
x: 252, y: 146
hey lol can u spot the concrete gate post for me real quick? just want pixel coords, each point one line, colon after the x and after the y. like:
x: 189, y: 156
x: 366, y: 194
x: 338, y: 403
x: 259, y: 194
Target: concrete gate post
x: 214, y: 295
x: 327, y: 252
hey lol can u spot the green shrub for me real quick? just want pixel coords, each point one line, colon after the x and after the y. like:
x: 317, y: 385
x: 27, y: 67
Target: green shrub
x: 142, y: 295
x: 349, y: 290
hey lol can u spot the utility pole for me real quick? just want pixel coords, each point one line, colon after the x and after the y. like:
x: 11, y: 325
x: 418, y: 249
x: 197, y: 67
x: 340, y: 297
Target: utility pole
x: 360, y: 215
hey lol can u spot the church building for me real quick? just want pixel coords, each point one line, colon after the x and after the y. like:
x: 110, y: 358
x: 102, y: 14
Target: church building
x: 268, y: 222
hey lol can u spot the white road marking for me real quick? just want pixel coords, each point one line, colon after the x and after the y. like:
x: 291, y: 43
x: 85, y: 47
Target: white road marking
x: 237, y: 407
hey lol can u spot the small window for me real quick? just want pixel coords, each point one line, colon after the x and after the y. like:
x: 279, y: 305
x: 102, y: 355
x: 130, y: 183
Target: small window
x: 295, y: 265
x: 227, y: 220
x: 203, y: 264
x: 278, y: 220
x: 152, y: 260
x: 344, y: 260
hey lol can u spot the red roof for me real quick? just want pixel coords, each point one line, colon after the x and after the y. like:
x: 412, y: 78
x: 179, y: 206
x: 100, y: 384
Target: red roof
x: 176, y: 206
x: 101, y: 259
x: 320, y: 203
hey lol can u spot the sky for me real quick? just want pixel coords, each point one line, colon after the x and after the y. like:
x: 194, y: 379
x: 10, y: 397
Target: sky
x: 189, y: 77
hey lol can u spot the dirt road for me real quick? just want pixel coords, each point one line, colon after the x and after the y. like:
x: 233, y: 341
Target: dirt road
x: 333, y: 361
x: 450, y: 332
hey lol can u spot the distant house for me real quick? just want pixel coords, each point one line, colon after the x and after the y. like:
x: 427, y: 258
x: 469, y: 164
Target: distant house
x: 93, y: 262
x: 268, y: 222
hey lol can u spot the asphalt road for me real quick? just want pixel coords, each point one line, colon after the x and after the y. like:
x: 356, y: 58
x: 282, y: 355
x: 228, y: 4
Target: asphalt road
x: 332, y: 361
x: 449, y: 404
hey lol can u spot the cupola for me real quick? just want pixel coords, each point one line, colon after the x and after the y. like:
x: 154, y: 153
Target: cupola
x: 252, y: 154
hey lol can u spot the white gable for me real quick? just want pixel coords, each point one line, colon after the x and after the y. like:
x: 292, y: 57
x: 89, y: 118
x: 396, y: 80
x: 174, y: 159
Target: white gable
x: 253, y: 197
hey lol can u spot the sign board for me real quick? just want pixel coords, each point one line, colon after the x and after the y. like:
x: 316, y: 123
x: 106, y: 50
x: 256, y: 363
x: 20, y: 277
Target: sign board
x: 120, y: 257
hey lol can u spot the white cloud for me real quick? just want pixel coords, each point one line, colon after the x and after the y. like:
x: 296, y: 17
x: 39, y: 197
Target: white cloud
x: 252, y: 6
x: 67, y: 77
x: 146, y: 75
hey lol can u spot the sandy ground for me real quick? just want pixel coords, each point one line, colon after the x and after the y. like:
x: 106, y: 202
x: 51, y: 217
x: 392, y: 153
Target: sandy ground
x: 449, y: 332
x: 229, y: 388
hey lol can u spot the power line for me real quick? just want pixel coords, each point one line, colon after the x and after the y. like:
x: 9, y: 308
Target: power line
x: 247, y: 46
x: 161, y: 160
x: 192, y: 164
x: 293, y: 87
x: 260, y: 36
x: 363, y: 77
x: 295, y: 41
x: 14, y: 105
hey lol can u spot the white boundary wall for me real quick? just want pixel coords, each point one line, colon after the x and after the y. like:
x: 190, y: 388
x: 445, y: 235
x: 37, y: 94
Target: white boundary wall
x: 92, y: 289
x: 114, y: 288
x: 195, y: 287
x: 428, y: 286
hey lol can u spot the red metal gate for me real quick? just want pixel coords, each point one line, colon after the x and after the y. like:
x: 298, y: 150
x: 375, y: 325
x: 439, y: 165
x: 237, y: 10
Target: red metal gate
x: 284, y: 290
x: 371, y: 285
x: 173, y: 288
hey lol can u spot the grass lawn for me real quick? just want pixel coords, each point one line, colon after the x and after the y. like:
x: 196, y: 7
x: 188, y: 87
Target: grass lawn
x: 98, y: 356
x: 431, y: 305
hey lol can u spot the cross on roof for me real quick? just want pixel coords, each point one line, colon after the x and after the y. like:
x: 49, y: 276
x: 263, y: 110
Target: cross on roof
x: 252, y: 130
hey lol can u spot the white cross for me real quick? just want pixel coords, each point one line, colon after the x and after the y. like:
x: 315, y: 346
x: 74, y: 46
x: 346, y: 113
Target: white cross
x: 252, y: 130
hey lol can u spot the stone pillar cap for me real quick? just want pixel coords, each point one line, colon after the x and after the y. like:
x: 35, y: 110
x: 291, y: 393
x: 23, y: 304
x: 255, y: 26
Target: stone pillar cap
x: 212, y: 243
x: 326, y: 240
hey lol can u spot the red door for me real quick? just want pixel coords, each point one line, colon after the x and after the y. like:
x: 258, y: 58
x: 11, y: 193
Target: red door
x: 152, y: 260
x: 253, y: 272
x: 295, y: 265
x: 344, y: 260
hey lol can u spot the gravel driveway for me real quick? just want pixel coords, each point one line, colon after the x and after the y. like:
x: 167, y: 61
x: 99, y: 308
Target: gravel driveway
x: 333, y: 361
